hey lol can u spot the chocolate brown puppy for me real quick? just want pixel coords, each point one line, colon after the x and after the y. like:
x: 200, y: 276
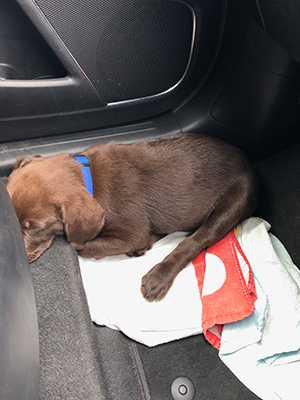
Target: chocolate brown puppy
x: 142, y: 191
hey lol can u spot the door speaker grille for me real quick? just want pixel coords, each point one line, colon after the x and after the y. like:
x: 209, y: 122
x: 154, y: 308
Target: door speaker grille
x: 128, y: 49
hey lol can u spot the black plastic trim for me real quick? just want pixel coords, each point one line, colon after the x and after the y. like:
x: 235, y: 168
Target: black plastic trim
x: 166, y: 124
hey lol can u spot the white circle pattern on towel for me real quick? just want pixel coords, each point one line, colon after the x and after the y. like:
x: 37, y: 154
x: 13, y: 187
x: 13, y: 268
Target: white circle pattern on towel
x: 215, y: 274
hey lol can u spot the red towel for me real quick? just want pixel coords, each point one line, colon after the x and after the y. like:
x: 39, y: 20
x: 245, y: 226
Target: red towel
x: 234, y: 299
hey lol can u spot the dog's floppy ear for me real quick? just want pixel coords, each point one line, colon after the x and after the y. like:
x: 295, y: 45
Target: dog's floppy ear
x: 83, y: 218
x: 22, y: 161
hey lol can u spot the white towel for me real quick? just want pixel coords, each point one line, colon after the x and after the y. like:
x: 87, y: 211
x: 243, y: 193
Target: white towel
x: 112, y: 286
x: 263, y: 350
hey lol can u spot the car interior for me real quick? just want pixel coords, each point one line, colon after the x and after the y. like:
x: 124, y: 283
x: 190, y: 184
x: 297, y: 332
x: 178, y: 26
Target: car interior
x: 77, y: 73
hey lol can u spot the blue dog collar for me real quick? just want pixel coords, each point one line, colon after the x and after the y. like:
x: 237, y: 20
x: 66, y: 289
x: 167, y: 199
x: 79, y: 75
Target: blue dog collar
x: 85, y: 168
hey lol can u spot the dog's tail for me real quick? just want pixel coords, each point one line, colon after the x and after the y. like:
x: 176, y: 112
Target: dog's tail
x: 238, y: 203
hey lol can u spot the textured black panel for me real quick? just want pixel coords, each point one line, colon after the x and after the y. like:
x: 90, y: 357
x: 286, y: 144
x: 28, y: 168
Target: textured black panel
x: 24, y: 54
x: 128, y: 49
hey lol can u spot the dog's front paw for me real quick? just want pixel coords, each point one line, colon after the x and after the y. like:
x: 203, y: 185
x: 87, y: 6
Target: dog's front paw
x: 136, y: 253
x: 91, y: 250
x: 155, y: 285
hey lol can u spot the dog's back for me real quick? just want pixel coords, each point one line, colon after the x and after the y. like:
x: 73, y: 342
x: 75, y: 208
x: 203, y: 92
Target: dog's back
x: 175, y: 180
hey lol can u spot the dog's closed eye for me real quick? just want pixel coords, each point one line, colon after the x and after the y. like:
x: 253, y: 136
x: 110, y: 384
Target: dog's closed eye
x: 26, y: 225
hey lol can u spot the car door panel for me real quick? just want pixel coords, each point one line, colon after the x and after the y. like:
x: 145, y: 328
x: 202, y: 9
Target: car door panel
x: 103, y: 62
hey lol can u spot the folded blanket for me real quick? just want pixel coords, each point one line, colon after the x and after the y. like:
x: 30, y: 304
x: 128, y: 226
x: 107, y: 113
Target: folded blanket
x: 221, y: 274
x: 112, y: 287
x: 223, y: 277
x: 263, y: 350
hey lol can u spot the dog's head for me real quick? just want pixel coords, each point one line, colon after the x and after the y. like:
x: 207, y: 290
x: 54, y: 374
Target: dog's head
x: 50, y: 199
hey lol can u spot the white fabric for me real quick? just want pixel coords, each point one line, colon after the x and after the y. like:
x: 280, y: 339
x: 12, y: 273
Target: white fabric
x: 112, y: 287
